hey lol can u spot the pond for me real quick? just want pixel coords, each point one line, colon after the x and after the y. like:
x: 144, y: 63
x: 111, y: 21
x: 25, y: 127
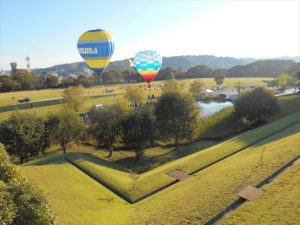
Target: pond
x: 210, y: 108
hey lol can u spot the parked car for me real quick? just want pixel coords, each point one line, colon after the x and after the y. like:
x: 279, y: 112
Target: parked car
x: 24, y: 100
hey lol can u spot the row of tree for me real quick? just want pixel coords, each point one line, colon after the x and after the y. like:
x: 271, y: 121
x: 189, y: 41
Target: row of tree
x: 173, y: 117
x: 26, y: 135
x: 23, y: 80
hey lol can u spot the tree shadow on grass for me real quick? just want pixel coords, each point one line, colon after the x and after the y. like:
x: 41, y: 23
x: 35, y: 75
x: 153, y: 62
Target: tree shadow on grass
x: 96, y: 160
x: 149, y: 163
x: 54, y: 159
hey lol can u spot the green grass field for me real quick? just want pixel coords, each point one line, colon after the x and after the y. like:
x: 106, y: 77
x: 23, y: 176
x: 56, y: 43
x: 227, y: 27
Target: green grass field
x: 280, y: 203
x: 78, y: 199
x: 48, y: 100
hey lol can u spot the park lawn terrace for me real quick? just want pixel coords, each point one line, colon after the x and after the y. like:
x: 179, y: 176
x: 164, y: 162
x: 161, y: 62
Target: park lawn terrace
x: 78, y: 199
x: 121, y: 180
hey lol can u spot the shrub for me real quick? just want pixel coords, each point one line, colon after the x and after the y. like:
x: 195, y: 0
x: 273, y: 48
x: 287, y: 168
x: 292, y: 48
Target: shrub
x: 20, y: 202
x: 24, y: 135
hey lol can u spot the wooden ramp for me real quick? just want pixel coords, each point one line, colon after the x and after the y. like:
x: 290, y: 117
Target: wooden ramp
x: 250, y: 193
x: 179, y: 175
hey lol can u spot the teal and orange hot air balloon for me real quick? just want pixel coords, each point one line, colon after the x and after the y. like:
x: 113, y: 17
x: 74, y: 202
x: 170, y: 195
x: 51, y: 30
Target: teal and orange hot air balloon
x: 96, y: 48
x: 147, y: 63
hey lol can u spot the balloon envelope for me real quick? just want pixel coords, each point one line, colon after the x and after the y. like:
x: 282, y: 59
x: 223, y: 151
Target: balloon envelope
x: 96, y: 48
x: 147, y: 63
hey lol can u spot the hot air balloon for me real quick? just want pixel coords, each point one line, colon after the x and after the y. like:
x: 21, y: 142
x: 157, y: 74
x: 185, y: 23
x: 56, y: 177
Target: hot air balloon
x: 147, y: 63
x: 96, y: 48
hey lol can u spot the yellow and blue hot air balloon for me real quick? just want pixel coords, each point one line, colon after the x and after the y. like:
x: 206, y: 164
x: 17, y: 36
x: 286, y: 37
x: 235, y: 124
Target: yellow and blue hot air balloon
x: 96, y: 48
x: 147, y: 63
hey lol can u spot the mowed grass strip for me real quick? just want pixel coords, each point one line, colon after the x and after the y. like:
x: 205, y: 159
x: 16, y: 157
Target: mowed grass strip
x: 44, y: 107
x: 135, y: 187
x: 280, y: 203
x: 29, y: 105
x: 77, y: 199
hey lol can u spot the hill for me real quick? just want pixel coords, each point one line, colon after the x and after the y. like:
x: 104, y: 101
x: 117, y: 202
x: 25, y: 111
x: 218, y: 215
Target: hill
x: 243, y: 67
x: 264, y: 68
x: 179, y: 62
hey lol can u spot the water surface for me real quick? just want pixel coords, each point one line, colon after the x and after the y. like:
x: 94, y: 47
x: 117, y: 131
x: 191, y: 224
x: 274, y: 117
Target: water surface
x: 210, y: 108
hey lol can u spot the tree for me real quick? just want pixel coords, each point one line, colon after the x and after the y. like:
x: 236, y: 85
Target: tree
x: 69, y: 129
x: 177, y: 116
x: 239, y: 87
x: 256, y: 106
x: 219, y: 79
x: 172, y: 86
x: 139, y: 130
x: 297, y: 76
x: 283, y: 80
x: 196, y: 88
x: 106, y: 123
x: 112, y: 76
x: 168, y: 73
x: 136, y: 94
x: 8, y: 84
x: 20, y: 202
x: 52, y: 81
x: 86, y: 81
x: 69, y: 81
x: 7, y: 205
x: 74, y: 97
x: 199, y: 72
x: 24, y: 135
x: 25, y: 79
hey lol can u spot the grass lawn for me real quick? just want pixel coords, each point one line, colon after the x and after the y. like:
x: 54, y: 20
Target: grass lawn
x: 47, y: 106
x: 48, y: 100
x: 288, y: 104
x: 280, y: 203
x: 121, y: 180
x: 77, y: 199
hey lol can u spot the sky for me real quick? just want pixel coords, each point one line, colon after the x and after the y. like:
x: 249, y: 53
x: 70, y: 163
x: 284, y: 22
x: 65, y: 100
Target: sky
x: 47, y: 31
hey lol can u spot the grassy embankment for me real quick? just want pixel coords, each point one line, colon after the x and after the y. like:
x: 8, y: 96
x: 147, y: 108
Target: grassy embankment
x: 77, y: 199
x: 280, y: 203
x: 133, y: 187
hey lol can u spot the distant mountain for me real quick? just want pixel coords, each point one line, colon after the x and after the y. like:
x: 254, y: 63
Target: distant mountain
x: 214, y: 62
x: 295, y: 58
x: 179, y: 62
x: 79, y: 67
x: 235, y: 66
x: 264, y: 68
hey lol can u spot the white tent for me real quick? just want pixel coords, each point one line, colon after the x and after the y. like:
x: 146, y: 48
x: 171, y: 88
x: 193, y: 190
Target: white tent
x: 208, y: 91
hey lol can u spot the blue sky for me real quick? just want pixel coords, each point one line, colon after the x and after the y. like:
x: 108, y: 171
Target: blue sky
x: 48, y: 30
